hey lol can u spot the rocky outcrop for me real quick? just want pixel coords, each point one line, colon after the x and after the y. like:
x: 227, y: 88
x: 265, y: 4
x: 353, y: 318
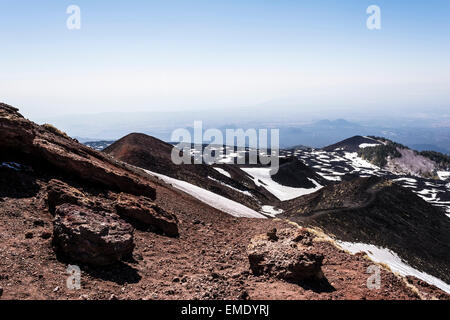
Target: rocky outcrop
x: 287, y: 255
x: 59, y: 193
x: 146, y: 211
x: 48, y: 146
x: 136, y: 208
x: 95, y: 238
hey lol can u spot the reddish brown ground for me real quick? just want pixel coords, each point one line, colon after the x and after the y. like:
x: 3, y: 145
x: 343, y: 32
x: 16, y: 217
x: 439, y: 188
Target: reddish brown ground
x: 208, y: 260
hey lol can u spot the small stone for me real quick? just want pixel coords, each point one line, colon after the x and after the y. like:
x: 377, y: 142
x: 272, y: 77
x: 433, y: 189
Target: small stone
x: 176, y: 279
x: 38, y: 223
x: 244, y: 295
x: 113, y: 297
x: 170, y: 292
x: 29, y: 235
x: 56, y: 289
x: 46, y: 235
x: 272, y: 235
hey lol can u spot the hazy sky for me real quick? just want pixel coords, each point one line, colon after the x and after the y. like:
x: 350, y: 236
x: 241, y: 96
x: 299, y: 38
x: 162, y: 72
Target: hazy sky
x: 190, y: 55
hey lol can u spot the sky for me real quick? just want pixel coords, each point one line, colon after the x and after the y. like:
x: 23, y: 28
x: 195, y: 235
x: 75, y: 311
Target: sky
x: 299, y: 56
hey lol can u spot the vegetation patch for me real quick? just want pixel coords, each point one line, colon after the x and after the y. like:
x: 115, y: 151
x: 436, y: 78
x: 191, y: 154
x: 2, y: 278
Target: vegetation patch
x: 378, y: 155
x: 55, y: 130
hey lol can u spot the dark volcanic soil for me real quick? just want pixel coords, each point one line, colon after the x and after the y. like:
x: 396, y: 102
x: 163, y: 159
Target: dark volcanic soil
x: 379, y: 212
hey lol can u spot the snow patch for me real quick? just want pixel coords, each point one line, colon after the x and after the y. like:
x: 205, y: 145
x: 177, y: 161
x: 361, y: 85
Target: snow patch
x: 271, y: 211
x: 406, y: 180
x: 443, y: 175
x: 368, y: 145
x: 358, y: 162
x: 383, y: 255
x: 222, y: 171
x: 210, y: 198
x: 247, y: 193
x: 331, y: 178
x: 263, y: 178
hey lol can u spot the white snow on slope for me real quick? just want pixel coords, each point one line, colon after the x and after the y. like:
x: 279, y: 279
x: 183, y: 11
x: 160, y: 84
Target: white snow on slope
x: 406, y: 180
x: 262, y: 177
x: 210, y: 198
x: 443, y: 175
x: 331, y: 178
x: 271, y: 211
x: 222, y: 171
x: 247, y: 193
x: 359, y: 163
x: 382, y: 255
x: 367, y: 145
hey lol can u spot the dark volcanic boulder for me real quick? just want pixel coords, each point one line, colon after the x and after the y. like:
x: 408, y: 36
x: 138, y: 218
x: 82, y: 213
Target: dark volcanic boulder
x: 95, y: 238
x: 146, y: 211
x: 287, y: 255
x: 59, y: 193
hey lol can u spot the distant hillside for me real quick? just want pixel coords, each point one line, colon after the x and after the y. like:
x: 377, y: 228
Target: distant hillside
x: 99, y: 145
x: 393, y: 157
x: 429, y: 147
x: 399, y: 158
x: 153, y: 154
x: 379, y: 212
x: 352, y: 144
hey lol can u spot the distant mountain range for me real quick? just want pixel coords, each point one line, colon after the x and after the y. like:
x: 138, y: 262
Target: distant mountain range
x: 294, y: 130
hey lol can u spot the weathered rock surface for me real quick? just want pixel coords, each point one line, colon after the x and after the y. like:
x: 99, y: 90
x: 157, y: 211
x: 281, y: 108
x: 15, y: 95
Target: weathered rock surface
x: 95, y: 238
x: 47, y: 145
x: 59, y: 193
x: 287, y: 255
x: 146, y: 211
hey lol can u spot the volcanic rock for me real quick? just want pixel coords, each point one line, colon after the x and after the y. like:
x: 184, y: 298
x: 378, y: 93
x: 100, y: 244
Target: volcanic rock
x: 285, y: 258
x: 59, y: 193
x: 95, y: 238
x: 47, y: 146
x: 146, y: 211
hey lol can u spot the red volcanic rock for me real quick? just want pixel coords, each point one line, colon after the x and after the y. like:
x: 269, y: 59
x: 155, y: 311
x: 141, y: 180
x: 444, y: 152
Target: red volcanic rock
x: 59, y: 193
x: 284, y: 256
x: 146, y: 211
x: 95, y: 238
x: 47, y: 145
